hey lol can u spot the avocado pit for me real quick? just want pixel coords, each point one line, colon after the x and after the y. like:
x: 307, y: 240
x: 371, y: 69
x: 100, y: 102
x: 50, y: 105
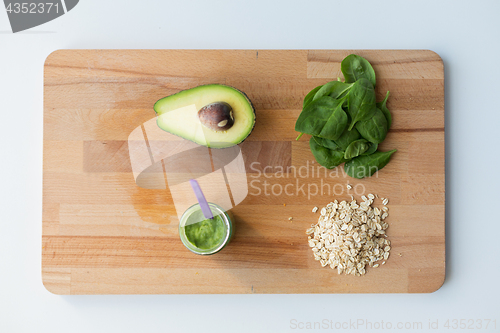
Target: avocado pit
x: 217, y: 116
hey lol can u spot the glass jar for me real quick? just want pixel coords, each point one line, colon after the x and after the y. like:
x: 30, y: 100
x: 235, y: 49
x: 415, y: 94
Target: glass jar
x: 194, y: 215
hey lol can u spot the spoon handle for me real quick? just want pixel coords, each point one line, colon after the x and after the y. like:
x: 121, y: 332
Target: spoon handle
x: 205, y: 208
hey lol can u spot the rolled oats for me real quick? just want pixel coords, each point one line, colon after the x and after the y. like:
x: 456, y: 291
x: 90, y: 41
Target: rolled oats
x: 349, y: 236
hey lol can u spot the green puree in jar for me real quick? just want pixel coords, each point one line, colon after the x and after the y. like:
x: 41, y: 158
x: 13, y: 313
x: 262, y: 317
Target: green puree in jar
x: 206, y: 234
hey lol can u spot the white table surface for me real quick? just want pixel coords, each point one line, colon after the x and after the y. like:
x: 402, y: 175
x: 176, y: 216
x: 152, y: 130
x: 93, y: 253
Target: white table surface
x: 466, y: 34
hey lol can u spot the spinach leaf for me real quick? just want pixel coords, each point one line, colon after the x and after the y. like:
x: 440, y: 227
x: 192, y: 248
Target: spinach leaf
x: 334, y: 89
x: 330, y: 144
x: 374, y: 129
x: 335, y: 125
x: 346, y: 138
x: 324, y: 90
x: 356, y: 148
x: 366, y: 165
x: 323, y: 117
x: 318, y: 140
x: 326, y: 157
x: 309, y: 97
x: 382, y: 106
x: 361, y: 101
x: 372, y: 149
x: 340, y: 89
x: 355, y: 67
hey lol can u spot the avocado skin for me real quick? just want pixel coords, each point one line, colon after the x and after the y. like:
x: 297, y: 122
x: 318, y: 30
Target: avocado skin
x: 213, y: 84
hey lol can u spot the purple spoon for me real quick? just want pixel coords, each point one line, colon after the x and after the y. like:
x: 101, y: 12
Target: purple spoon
x: 205, y: 208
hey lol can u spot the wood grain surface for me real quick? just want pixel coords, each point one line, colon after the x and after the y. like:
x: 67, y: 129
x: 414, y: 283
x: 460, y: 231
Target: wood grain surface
x: 103, y: 234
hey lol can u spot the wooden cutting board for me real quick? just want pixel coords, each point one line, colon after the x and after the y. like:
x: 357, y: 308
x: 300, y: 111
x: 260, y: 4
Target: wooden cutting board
x: 103, y: 234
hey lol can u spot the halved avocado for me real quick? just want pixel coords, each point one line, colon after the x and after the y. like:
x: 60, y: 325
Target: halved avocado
x: 213, y: 115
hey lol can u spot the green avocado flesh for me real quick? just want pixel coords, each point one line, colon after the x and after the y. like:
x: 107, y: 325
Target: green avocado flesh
x: 178, y: 114
x: 206, y: 234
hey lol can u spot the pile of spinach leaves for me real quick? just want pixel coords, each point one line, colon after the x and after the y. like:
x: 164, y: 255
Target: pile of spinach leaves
x: 346, y: 122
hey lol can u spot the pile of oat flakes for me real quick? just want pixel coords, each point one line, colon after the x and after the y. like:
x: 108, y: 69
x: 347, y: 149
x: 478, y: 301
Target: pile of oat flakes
x: 349, y: 236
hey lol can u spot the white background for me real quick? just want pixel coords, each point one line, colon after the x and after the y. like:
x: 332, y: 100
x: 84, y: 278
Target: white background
x: 466, y: 34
